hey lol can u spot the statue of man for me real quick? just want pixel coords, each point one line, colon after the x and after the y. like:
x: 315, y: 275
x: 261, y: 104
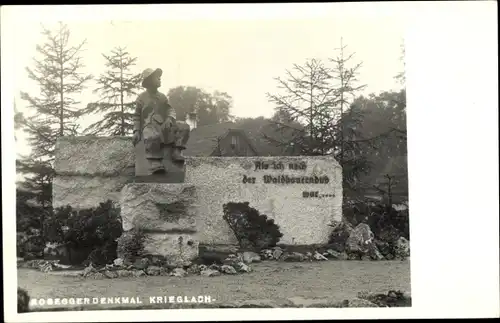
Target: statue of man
x: 155, y: 124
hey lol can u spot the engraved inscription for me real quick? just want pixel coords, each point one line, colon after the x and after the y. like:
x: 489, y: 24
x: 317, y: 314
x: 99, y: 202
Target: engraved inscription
x: 262, y: 165
x: 297, y: 166
x: 285, y: 179
x: 316, y: 194
x: 248, y: 180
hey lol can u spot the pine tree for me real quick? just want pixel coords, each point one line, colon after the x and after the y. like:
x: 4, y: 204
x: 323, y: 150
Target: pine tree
x: 116, y: 87
x: 307, y: 98
x: 53, y: 113
x: 318, y: 97
x: 40, y: 181
x: 345, y: 76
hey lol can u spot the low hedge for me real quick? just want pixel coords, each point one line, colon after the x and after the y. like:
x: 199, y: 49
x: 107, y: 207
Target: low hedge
x: 80, y: 236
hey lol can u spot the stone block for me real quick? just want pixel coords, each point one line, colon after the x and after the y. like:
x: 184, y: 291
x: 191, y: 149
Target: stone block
x: 94, y: 156
x: 81, y: 192
x: 178, y: 249
x: 360, y: 239
x: 159, y: 207
x: 302, y: 194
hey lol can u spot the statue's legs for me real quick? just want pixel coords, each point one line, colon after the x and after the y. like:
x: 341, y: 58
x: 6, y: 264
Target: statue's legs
x: 181, y: 136
x: 176, y: 139
x: 153, y: 149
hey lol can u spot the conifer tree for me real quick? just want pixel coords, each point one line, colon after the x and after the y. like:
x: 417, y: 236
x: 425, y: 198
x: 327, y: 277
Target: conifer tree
x: 117, y: 89
x: 344, y: 73
x: 318, y: 97
x: 54, y: 111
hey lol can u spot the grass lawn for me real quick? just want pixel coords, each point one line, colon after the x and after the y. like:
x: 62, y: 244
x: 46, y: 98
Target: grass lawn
x: 278, y: 281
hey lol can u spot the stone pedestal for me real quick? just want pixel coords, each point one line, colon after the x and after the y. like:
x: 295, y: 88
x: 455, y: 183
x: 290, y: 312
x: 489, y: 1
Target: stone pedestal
x: 175, y: 171
x: 165, y: 215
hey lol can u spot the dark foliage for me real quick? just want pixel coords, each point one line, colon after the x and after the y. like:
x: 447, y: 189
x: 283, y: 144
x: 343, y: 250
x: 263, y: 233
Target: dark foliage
x: 37, y: 184
x: 391, y: 299
x: 89, y: 234
x: 210, y: 108
x: 386, y: 223
x: 23, y: 300
x: 209, y: 257
x: 30, y: 247
x: 29, y: 224
x: 130, y: 246
x: 254, y: 231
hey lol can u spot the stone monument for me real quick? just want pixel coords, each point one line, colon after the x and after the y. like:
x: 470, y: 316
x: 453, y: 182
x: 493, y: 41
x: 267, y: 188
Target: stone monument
x: 294, y: 191
x: 156, y: 202
x: 176, y: 202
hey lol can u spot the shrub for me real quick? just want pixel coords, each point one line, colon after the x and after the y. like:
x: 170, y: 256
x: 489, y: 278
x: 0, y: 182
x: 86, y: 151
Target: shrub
x: 29, y: 223
x: 28, y: 214
x: 31, y: 246
x: 55, y: 223
x: 102, y: 255
x: 89, y: 234
x: 386, y: 223
x: 21, y: 238
x: 253, y: 230
x: 23, y: 301
x: 130, y: 245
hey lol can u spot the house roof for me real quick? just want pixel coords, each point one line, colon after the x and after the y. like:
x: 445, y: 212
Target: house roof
x: 203, y: 140
x: 257, y: 130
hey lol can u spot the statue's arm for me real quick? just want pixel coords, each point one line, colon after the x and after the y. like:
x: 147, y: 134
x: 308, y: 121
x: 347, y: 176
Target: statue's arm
x: 137, y: 115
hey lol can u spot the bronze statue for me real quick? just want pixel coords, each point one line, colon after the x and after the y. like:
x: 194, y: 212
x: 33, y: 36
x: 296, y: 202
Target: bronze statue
x: 156, y: 125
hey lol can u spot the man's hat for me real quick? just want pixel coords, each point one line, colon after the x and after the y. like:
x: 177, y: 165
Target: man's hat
x: 149, y: 72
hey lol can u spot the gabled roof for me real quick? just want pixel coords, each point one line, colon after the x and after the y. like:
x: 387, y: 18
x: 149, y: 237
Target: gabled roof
x: 257, y: 130
x: 203, y: 140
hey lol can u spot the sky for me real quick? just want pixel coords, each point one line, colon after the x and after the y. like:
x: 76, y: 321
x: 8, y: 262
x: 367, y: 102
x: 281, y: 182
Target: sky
x: 216, y: 48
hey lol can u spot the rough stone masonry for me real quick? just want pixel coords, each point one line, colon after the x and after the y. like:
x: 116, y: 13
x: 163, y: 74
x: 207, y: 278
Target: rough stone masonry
x: 302, y: 194
x: 166, y: 215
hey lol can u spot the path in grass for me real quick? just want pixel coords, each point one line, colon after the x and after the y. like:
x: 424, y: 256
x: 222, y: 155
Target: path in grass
x: 334, y: 280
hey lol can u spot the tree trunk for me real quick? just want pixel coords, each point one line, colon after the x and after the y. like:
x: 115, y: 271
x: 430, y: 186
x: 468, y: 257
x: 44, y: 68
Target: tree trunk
x: 341, y: 103
x: 121, y: 98
x: 61, y: 115
x: 311, y: 109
